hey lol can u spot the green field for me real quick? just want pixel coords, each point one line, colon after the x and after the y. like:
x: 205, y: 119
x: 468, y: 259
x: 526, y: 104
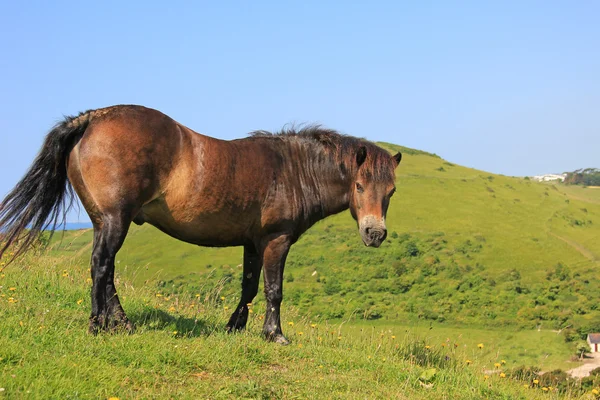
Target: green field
x: 180, y: 350
x: 471, y: 258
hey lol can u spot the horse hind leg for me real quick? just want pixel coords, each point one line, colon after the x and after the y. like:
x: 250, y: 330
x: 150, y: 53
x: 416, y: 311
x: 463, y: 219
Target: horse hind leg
x: 250, y: 280
x: 107, y: 311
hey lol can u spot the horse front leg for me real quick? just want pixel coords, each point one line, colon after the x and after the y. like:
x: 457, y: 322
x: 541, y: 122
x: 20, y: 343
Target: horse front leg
x: 252, y: 264
x: 274, y: 255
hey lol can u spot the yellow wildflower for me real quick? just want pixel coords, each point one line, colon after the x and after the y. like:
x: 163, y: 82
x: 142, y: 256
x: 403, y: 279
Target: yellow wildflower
x: 313, y: 325
x: 496, y: 365
x: 290, y: 323
x: 545, y: 389
x: 469, y: 362
x: 12, y: 289
x: 486, y: 377
x: 502, y: 375
x: 503, y: 362
x: 300, y: 333
x: 79, y: 301
x: 535, y: 381
x: 222, y: 297
x: 595, y: 391
x: 480, y: 345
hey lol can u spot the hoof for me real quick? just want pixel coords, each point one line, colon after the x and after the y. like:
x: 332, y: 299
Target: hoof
x: 280, y: 339
x: 93, y: 329
x: 238, y: 321
x: 277, y: 338
x: 123, y: 326
x: 94, y: 326
x: 234, y: 328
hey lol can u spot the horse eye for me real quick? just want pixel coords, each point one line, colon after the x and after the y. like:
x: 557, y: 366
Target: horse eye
x: 359, y: 188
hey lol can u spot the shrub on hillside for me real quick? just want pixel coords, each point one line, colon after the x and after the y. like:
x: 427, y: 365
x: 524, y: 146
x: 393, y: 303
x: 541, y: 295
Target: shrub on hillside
x: 523, y: 373
x: 560, y: 272
x: 411, y: 249
x: 332, y: 286
x: 469, y: 246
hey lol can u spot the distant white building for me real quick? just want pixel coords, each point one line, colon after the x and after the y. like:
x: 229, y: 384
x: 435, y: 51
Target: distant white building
x: 593, y: 340
x: 549, y: 177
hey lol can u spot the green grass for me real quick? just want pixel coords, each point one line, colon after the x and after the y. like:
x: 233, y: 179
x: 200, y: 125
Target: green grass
x: 544, y: 348
x: 180, y: 350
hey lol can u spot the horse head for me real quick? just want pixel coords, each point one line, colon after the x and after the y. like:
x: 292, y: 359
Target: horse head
x: 371, y: 191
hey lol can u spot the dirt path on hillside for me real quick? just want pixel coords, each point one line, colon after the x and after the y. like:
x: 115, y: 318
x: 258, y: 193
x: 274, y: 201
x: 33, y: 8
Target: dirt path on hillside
x: 589, y: 364
x: 582, y: 250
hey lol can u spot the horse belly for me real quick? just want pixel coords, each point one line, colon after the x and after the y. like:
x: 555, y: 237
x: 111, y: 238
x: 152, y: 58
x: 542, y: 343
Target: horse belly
x: 203, y: 229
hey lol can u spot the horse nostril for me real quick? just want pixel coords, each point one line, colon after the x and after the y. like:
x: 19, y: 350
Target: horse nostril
x: 367, y: 231
x: 384, y: 235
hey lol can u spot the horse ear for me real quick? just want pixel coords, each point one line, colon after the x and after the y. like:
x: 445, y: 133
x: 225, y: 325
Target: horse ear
x: 361, y: 155
x: 398, y: 158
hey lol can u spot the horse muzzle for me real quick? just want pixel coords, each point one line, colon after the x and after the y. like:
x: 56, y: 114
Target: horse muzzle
x: 373, y: 233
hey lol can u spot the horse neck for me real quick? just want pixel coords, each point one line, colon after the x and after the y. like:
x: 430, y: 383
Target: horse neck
x: 333, y: 189
x: 334, y: 195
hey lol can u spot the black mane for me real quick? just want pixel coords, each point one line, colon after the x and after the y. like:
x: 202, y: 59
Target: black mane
x: 378, y: 164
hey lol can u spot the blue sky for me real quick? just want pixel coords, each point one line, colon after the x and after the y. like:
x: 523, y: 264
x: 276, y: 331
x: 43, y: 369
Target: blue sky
x: 506, y: 87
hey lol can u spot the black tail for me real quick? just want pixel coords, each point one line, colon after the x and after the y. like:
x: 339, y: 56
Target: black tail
x: 44, y: 194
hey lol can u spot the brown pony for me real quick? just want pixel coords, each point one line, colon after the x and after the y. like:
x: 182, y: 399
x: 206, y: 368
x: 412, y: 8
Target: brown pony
x: 131, y: 163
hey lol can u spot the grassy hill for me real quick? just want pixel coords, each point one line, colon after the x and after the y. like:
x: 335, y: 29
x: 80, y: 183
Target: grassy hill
x: 180, y: 350
x: 464, y: 247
